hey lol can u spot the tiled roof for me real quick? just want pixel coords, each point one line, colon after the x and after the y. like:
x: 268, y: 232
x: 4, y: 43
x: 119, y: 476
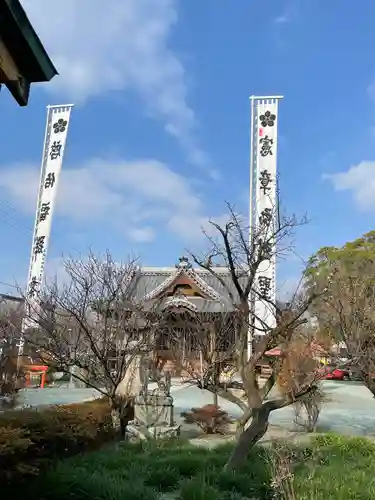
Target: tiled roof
x: 148, y: 280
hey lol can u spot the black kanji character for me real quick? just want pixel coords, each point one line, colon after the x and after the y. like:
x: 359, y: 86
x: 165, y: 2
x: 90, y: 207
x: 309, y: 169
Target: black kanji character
x: 265, y: 217
x: 50, y: 180
x: 33, y: 287
x: 264, y: 286
x: 265, y: 148
x: 265, y: 249
x: 44, y: 211
x: 55, y: 151
x: 39, y: 244
x: 265, y: 180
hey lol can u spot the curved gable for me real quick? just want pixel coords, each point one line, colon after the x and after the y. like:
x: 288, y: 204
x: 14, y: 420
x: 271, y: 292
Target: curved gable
x: 183, y: 280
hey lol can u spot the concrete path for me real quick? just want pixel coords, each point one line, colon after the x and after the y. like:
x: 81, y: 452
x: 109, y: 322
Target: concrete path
x: 55, y: 396
x: 66, y: 395
x: 350, y: 409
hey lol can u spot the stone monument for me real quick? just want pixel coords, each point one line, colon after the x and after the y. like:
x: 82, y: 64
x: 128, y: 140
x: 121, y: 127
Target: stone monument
x: 153, y: 410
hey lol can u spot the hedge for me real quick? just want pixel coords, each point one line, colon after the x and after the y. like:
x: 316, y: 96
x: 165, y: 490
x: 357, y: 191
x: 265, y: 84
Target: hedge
x: 33, y: 439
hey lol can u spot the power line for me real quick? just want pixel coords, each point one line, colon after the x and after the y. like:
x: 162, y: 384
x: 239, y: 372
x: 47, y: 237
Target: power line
x: 24, y: 226
x: 9, y: 206
x: 16, y: 228
x: 24, y: 229
x: 8, y: 284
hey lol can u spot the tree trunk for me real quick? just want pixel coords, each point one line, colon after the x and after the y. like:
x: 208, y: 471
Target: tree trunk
x: 313, y: 411
x: 216, y: 399
x: 242, y: 421
x: 121, y: 415
x: 249, y: 437
x: 370, y: 384
x: 123, y: 426
x: 116, y: 418
x: 216, y: 384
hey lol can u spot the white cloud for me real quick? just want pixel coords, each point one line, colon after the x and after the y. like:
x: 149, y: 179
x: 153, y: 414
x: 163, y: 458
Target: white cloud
x: 360, y: 181
x: 100, y: 46
x: 289, y: 15
x: 132, y: 196
x: 188, y: 224
x: 371, y: 90
x: 142, y: 234
x: 283, y: 19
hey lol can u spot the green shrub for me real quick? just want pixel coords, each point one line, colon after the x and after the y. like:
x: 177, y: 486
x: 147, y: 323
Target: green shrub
x: 144, y: 470
x: 162, y: 478
x: 198, y: 489
x: 30, y: 439
x: 65, y: 483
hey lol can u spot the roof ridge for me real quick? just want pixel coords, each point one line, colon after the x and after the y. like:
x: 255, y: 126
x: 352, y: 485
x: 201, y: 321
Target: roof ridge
x: 165, y: 270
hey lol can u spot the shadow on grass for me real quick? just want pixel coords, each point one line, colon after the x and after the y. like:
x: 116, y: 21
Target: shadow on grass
x: 331, y: 467
x: 143, y: 471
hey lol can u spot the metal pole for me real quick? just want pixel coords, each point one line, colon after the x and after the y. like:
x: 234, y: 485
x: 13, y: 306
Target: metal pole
x: 71, y: 366
x: 71, y: 377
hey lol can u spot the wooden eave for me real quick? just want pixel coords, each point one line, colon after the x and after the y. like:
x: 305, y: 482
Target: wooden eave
x: 23, y: 48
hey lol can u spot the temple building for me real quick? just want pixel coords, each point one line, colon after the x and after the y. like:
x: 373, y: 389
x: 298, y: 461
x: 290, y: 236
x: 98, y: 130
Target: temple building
x: 184, y: 292
x: 194, y: 303
x: 184, y: 287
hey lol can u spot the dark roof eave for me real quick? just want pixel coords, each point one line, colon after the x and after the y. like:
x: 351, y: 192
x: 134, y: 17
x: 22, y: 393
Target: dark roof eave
x: 24, y: 44
x: 11, y: 298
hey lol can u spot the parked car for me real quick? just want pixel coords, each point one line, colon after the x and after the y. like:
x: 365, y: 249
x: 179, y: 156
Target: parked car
x: 329, y: 372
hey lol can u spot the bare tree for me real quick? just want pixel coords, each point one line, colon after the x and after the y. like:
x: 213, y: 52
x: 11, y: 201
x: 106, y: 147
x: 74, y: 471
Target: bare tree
x: 231, y: 247
x: 300, y: 361
x: 201, y: 346
x: 94, y: 328
x: 10, y: 326
x: 346, y: 316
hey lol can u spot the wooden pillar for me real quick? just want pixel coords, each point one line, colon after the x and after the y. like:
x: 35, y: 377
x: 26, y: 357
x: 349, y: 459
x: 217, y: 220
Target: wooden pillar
x: 43, y: 380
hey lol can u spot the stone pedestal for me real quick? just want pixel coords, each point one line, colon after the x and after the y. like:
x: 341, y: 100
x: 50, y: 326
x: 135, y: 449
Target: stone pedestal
x: 153, y: 412
x: 165, y: 432
x: 154, y: 409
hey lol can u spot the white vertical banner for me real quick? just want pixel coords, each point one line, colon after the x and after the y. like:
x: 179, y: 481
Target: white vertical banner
x: 57, y: 125
x: 265, y: 216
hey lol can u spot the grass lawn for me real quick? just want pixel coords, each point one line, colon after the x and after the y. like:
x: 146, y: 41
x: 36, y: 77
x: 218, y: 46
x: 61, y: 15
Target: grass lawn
x: 332, y: 467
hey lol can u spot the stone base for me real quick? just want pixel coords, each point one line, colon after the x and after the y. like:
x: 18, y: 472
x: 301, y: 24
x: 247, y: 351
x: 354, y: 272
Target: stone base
x: 8, y: 402
x: 135, y: 433
x: 160, y: 432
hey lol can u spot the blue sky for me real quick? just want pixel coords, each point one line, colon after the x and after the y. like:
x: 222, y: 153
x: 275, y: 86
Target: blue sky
x: 159, y: 134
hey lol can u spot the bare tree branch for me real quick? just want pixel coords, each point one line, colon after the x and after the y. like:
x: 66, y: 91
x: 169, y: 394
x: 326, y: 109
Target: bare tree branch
x: 231, y: 248
x: 95, y: 328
